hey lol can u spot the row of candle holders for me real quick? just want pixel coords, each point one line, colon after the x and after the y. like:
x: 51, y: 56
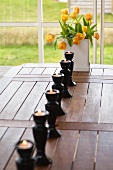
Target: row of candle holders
x: 53, y: 109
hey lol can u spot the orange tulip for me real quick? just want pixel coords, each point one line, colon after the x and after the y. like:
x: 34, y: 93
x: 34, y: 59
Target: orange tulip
x: 64, y: 11
x: 89, y: 17
x: 96, y: 35
x: 64, y: 17
x: 76, y: 10
x: 49, y: 37
x: 73, y: 15
x: 62, y: 45
x: 76, y: 41
x: 80, y: 36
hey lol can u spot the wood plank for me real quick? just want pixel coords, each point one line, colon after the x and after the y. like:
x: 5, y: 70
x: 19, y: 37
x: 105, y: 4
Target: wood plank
x: 84, y: 159
x: 105, y: 151
x: 13, y: 71
x: 8, y: 93
x: 34, y: 79
x: 25, y: 71
x: 76, y: 106
x: 4, y: 69
x: 83, y: 73
x: 16, y: 102
x: 100, y: 66
x: 4, y: 82
x: 31, y: 102
x: 92, y: 104
x: 16, y: 123
x: 103, y: 77
x: 106, y: 109
x: 42, y: 65
x: 84, y: 126
x: 97, y: 71
x: 90, y: 80
x: 52, y: 65
x: 43, y: 100
x: 108, y: 72
x: 49, y: 71
x: 65, y: 102
x: 37, y: 71
x: 60, y: 125
x: 7, y: 144
x: 2, y: 131
x: 33, y: 76
x: 64, y: 152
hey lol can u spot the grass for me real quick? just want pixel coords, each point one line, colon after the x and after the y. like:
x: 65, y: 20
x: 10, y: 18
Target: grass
x: 19, y: 45
x: 17, y: 55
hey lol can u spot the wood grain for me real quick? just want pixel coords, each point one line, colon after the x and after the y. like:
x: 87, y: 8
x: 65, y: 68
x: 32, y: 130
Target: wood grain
x: 92, y: 105
x: 7, y: 144
x: 84, y: 159
x: 8, y: 94
x: 105, y: 151
x: 106, y: 109
x: 16, y: 102
x: 27, y: 109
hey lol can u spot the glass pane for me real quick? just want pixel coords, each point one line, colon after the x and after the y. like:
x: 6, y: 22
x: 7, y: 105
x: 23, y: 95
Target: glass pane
x: 18, y: 45
x: 52, y: 10
x: 50, y: 54
x: 108, y: 46
x: 18, y: 10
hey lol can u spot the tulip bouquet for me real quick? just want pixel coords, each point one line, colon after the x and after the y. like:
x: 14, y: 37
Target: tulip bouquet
x: 73, y: 32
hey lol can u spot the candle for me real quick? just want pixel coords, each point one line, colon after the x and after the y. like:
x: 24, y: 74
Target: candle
x: 25, y: 145
x: 65, y: 61
x: 68, y: 52
x: 51, y: 91
x: 57, y: 75
x: 40, y: 113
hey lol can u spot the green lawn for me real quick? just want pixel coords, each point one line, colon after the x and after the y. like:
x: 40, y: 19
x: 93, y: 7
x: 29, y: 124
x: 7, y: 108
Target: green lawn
x: 19, y: 45
x: 16, y: 55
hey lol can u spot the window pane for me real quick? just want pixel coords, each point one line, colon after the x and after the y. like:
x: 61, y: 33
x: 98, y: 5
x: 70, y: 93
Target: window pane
x: 52, y: 10
x: 18, y: 10
x: 18, y: 45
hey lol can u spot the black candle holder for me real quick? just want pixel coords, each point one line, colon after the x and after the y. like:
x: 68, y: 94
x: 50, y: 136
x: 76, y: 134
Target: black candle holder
x: 69, y: 56
x: 57, y: 79
x: 52, y: 107
x: 40, y: 137
x: 25, y: 150
x: 65, y: 70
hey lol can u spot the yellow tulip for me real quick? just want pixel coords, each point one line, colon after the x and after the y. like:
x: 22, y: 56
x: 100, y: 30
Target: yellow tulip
x: 64, y: 17
x: 76, y: 10
x: 64, y: 11
x: 96, y: 35
x: 62, y: 45
x: 49, y: 37
x: 73, y: 15
x: 89, y: 17
x: 84, y: 28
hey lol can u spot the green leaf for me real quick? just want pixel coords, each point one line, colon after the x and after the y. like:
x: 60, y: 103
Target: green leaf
x: 80, y: 28
x: 93, y: 27
x: 84, y: 22
x: 75, y: 27
x: 63, y: 30
x: 55, y: 44
x: 69, y: 41
x: 90, y: 37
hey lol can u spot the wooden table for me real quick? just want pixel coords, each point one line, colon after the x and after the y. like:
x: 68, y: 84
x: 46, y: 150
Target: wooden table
x: 87, y: 128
